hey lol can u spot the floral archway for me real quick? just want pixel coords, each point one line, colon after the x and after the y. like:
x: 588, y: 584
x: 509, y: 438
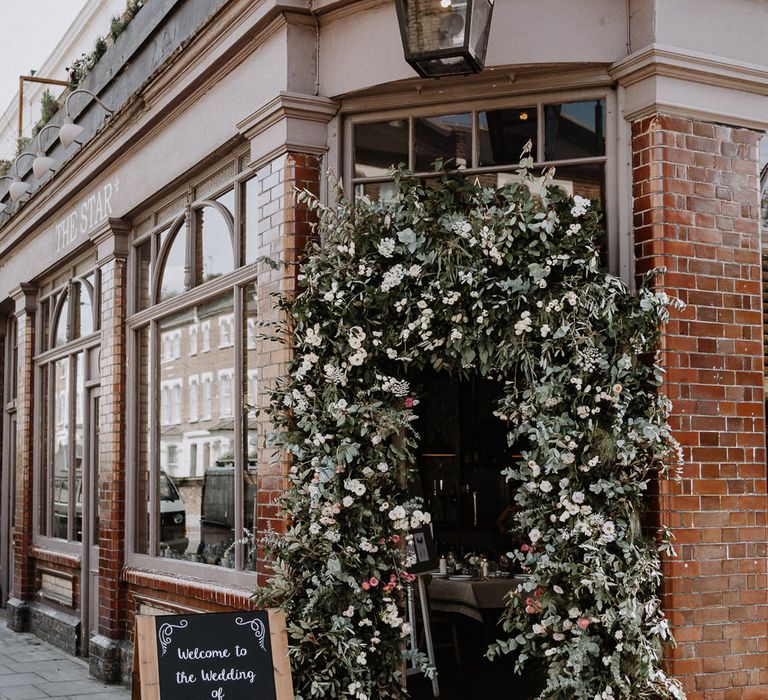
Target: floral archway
x: 505, y: 283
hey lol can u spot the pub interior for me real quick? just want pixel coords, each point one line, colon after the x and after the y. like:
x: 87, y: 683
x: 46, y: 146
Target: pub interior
x: 462, y: 452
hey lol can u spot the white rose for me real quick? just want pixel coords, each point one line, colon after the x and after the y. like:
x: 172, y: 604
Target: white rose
x: 545, y: 486
x: 534, y: 535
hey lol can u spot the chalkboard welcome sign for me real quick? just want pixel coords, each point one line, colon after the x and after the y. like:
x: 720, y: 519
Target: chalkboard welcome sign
x: 219, y: 656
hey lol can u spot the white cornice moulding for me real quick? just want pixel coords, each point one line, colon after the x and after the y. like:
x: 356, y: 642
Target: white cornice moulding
x: 288, y: 105
x: 289, y: 122
x: 667, y: 80
x: 670, y: 61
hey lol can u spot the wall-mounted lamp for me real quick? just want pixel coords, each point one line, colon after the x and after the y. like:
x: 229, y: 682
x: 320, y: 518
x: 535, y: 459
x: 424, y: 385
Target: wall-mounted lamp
x: 445, y: 37
x: 18, y: 187
x: 69, y: 130
x: 43, y: 163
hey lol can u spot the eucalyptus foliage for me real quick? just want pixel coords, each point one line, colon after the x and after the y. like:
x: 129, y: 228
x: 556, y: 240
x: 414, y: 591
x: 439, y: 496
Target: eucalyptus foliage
x: 504, y: 283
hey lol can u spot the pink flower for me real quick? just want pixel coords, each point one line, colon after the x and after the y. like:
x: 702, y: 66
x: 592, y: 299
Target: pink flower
x: 525, y: 548
x: 339, y: 469
x: 409, y: 402
x: 395, y: 539
x: 538, y: 592
x: 373, y: 581
x: 530, y: 609
x: 365, y: 585
x: 583, y: 622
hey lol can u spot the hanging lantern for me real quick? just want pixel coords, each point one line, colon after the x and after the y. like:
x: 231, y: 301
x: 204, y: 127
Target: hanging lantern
x: 445, y: 37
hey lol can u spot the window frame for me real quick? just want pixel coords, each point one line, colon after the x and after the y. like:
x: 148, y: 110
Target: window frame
x: 235, y: 283
x: 47, y: 354
x: 617, y: 148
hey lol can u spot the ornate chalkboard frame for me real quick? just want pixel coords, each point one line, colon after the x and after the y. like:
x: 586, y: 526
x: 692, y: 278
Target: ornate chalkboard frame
x: 155, y: 641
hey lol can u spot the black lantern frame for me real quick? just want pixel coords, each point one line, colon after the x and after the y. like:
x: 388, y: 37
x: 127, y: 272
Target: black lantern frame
x: 445, y: 37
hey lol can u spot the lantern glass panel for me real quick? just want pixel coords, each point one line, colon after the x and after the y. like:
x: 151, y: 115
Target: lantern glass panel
x: 434, y: 25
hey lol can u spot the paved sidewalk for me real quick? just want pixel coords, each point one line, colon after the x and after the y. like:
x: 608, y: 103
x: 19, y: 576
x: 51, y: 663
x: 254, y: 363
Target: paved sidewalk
x: 31, y: 669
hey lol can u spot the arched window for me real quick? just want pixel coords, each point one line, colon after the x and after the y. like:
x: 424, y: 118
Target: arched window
x: 199, y: 247
x: 194, y: 302
x: 70, y: 347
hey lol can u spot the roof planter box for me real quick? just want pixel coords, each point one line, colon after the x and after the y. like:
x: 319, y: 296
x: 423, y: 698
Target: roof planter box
x: 445, y: 37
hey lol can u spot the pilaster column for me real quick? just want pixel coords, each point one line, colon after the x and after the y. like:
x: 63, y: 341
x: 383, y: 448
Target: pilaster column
x: 288, y: 139
x: 112, y: 242
x: 22, y: 582
x: 696, y: 213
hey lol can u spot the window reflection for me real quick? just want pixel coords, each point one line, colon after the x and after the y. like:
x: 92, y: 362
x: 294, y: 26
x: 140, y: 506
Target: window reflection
x: 504, y: 132
x: 574, y: 130
x: 78, y: 435
x: 255, y: 422
x: 173, y: 273
x: 61, y: 456
x: 448, y: 138
x: 380, y: 146
x: 84, y: 320
x: 62, y: 322
x: 196, y: 436
x: 218, y: 257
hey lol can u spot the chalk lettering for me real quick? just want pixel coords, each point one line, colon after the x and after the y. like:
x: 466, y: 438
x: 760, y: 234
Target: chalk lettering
x: 184, y: 677
x: 217, y: 694
x: 240, y: 651
x: 193, y: 654
x: 231, y: 674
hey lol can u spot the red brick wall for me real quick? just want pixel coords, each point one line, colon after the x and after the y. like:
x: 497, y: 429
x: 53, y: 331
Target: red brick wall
x: 284, y: 228
x: 696, y: 213
x: 111, y: 473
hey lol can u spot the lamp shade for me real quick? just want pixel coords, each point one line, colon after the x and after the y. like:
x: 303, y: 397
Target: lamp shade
x: 69, y: 132
x: 42, y: 164
x: 445, y: 37
x: 18, y: 189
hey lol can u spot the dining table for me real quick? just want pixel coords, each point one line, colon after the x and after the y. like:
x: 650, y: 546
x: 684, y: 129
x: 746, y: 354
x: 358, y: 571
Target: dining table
x: 472, y: 596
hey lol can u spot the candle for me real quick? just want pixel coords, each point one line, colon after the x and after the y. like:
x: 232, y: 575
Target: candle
x: 474, y: 506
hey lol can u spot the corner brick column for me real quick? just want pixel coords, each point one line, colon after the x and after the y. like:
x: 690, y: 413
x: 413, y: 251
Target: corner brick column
x: 696, y: 212
x: 22, y: 582
x: 112, y: 244
x: 284, y: 227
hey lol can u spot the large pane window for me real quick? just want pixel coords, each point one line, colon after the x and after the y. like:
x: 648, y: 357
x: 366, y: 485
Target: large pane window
x: 71, y: 313
x: 191, y: 397
x: 486, y: 144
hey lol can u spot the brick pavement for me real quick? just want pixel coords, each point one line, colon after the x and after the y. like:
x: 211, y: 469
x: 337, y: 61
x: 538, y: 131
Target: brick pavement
x: 31, y: 669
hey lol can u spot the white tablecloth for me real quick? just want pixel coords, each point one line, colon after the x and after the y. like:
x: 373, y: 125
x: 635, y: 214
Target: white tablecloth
x: 471, y: 597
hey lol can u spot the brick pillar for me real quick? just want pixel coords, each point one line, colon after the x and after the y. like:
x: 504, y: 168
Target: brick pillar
x: 104, y: 648
x: 284, y: 226
x: 696, y: 213
x: 22, y: 583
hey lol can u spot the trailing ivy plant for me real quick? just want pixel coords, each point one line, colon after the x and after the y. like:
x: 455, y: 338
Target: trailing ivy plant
x: 504, y: 283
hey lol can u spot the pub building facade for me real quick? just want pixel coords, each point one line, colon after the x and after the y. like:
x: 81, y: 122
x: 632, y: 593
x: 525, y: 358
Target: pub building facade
x: 133, y: 365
